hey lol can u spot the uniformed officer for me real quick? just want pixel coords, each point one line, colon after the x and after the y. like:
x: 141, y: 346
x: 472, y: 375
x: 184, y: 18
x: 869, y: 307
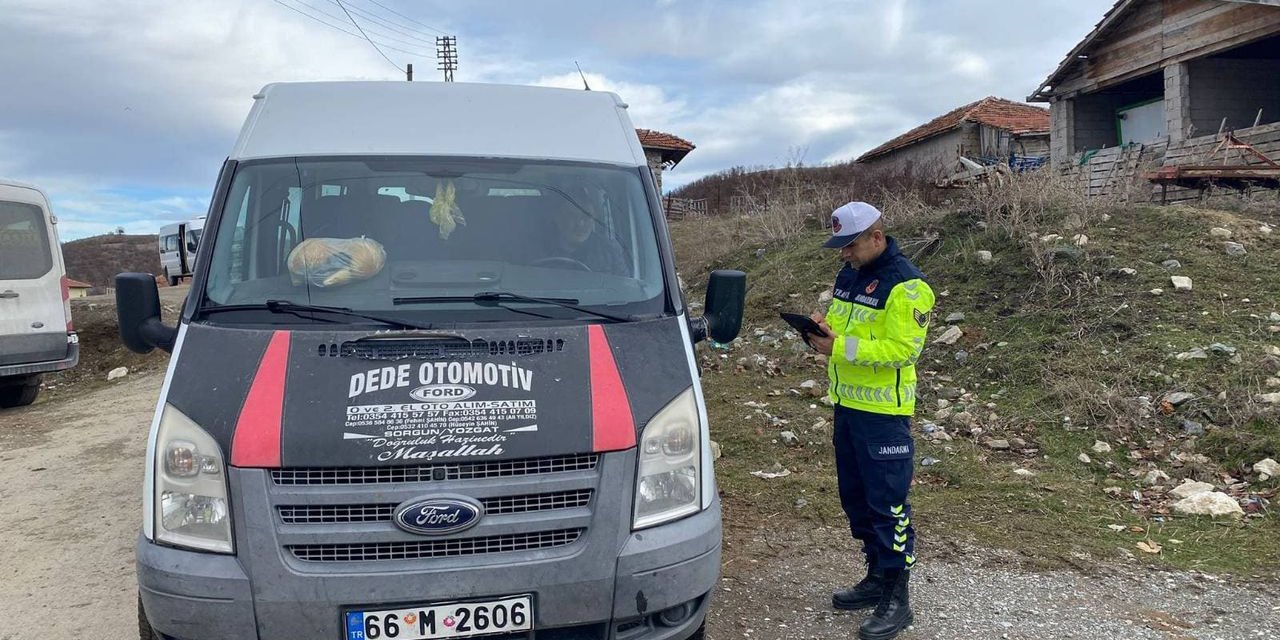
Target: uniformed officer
x: 875, y: 331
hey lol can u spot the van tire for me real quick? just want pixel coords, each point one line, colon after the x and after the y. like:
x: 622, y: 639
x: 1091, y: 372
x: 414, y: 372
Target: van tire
x: 145, y: 632
x: 20, y: 392
x: 173, y: 282
x: 701, y: 633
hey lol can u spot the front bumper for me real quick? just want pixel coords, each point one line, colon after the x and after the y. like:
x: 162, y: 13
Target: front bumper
x: 70, y: 360
x: 200, y: 596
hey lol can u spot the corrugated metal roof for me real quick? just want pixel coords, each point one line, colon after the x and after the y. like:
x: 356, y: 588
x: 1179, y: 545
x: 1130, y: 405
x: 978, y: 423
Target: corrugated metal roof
x: 437, y: 118
x: 1014, y: 117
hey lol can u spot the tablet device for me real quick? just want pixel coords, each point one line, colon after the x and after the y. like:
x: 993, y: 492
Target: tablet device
x: 804, y: 324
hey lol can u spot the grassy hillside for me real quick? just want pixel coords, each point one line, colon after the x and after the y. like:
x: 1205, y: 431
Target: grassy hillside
x: 1065, y: 346
x: 97, y: 260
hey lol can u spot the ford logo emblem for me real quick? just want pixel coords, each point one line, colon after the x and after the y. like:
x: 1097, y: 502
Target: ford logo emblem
x: 442, y: 393
x: 437, y: 516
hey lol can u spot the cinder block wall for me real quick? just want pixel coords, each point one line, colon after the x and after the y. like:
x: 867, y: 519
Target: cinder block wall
x: 1095, y: 120
x: 1235, y: 90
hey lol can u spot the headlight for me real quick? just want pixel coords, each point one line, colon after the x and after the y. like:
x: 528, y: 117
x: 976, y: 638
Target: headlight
x: 670, y: 468
x: 190, y: 487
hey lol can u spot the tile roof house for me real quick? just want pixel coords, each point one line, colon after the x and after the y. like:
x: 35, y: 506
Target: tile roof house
x: 989, y: 130
x: 77, y: 289
x: 663, y: 151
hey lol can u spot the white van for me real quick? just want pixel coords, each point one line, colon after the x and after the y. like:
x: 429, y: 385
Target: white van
x: 178, y: 244
x: 35, y: 309
x: 435, y: 378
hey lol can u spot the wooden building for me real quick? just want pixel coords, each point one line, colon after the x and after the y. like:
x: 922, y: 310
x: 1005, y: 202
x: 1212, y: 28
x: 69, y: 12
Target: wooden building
x: 989, y: 131
x: 1166, y: 73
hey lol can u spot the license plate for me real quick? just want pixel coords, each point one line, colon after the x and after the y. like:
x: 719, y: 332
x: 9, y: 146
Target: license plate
x: 457, y: 620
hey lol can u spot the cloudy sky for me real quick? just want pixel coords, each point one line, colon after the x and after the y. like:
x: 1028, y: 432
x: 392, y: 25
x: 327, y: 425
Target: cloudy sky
x: 124, y: 109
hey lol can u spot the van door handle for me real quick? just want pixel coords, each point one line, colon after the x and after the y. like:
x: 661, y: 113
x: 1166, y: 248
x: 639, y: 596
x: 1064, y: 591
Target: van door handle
x: 9, y: 294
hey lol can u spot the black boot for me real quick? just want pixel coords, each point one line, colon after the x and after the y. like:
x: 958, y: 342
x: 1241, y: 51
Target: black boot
x: 864, y: 595
x: 893, y: 613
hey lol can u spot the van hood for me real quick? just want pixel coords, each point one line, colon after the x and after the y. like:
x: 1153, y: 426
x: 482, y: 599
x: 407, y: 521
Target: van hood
x: 274, y: 399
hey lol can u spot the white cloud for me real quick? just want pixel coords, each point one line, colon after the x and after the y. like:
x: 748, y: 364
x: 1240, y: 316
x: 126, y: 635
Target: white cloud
x: 648, y: 105
x: 122, y: 104
x: 895, y: 22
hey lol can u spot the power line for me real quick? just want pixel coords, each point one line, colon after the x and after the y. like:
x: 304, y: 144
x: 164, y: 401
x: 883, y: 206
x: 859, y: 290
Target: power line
x: 427, y: 27
x: 380, y: 36
x: 419, y: 36
x: 343, y: 30
x: 366, y: 36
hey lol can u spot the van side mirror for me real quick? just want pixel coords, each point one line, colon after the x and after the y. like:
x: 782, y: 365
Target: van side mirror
x: 138, y: 314
x: 191, y: 246
x: 725, y: 301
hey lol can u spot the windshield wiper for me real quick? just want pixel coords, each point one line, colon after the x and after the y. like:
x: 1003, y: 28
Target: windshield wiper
x: 498, y: 297
x: 285, y: 306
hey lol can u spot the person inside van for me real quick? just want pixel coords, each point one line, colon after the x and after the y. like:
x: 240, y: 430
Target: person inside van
x: 582, y: 238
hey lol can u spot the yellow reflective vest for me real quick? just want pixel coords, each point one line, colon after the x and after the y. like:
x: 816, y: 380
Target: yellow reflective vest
x: 880, y: 314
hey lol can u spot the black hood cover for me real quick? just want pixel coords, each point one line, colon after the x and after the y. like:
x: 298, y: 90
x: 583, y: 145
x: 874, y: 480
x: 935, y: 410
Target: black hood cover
x: 317, y: 398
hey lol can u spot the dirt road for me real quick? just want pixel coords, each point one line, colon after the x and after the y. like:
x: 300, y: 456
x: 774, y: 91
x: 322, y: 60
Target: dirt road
x: 71, y: 490
x: 70, y: 483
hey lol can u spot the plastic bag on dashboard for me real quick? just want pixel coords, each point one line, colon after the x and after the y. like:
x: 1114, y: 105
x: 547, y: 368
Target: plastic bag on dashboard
x: 333, y: 262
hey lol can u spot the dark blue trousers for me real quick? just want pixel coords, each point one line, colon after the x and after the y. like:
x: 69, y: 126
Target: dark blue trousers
x: 874, y: 458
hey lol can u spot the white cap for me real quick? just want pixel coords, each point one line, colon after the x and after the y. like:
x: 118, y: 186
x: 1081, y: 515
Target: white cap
x: 849, y: 221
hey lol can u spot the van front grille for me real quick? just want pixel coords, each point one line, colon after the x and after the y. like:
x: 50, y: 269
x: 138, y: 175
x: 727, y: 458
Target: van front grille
x: 357, y: 513
x: 440, y: 472
x: 368, y: 552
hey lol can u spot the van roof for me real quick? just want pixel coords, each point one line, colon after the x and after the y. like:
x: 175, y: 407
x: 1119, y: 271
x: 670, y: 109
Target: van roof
x: 5, y: 182
x: 437, y: 118
x: 14, y: 184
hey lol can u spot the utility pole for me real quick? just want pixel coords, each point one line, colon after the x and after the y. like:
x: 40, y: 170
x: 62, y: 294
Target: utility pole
x: 447, y: 54
x: 409, y: 72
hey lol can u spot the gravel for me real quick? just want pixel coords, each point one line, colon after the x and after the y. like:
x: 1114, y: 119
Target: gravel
x: 780, y: 586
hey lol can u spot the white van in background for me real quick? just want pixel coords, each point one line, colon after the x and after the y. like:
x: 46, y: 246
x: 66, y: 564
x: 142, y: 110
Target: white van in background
x: 35, y: 309
x: 178, y: 243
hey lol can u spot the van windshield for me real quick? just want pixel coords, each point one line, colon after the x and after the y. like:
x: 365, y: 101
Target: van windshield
x: 420, y: 238
x: 24, y: 242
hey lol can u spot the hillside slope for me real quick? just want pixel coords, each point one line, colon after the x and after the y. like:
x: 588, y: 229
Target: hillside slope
x: 1052, y: 426
x: 97, y: 260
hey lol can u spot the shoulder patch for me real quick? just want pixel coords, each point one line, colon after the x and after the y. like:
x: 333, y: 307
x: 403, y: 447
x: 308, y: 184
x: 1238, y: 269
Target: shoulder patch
x: 922, y: 319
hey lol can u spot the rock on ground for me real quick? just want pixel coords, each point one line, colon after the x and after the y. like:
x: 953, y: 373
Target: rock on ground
x: 950, y: 336
x: 1220, y: 232
x: 1190, y: 488
x: 1267, y: 467
x: 1209, y: 503
x: 1181, y: 283
x: 117, y: 373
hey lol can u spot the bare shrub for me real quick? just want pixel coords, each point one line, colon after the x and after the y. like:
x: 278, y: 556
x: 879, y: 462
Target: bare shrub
x: 1021, y: 203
